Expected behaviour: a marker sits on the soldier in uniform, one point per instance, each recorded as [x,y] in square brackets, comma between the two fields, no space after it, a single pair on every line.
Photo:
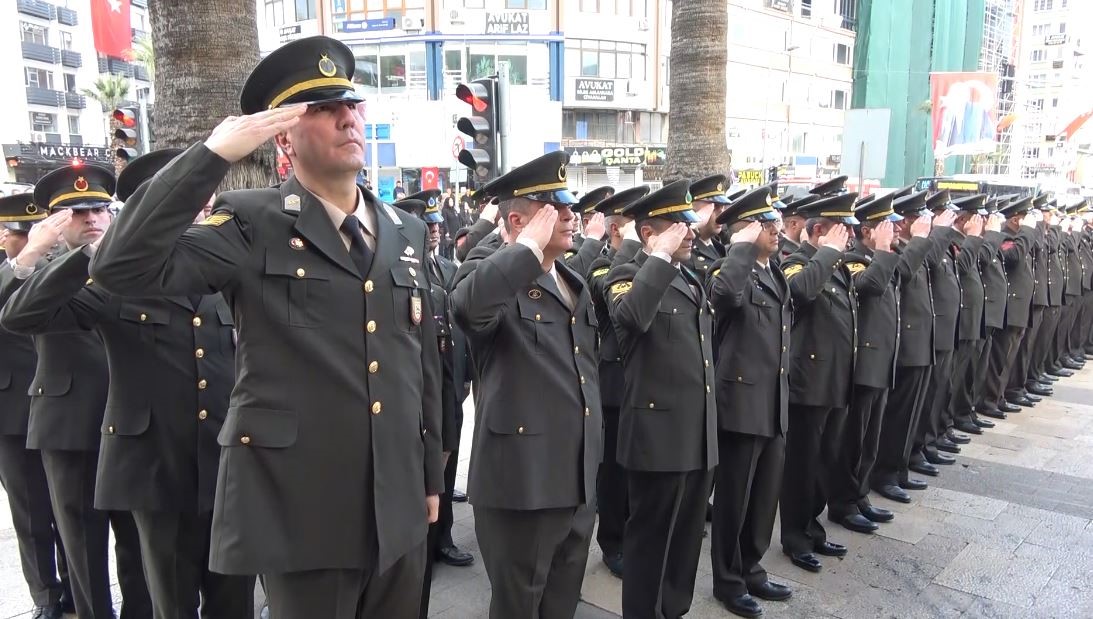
[916,353]
[171,365]
[532,330]
[995,293]
[872,264]
[793,225]
[1016,391]
[1071,297]
[751,340]
[667,424]
[820,373]
[69,400]
[339,376]
[1042,257]
[21,471]
[613,500]
[709,201]
[578,257]
[971,328]
[1016,256]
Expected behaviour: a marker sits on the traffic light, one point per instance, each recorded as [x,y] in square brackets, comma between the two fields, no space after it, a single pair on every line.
[127,134]
[483,156]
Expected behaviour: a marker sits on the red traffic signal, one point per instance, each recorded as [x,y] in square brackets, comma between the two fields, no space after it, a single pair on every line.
[474,94]
[126,116]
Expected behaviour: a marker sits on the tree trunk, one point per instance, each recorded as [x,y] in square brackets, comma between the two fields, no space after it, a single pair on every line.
[204,52]
[696,88]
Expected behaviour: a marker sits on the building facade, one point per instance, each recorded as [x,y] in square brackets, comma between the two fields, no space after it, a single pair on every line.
[53,58]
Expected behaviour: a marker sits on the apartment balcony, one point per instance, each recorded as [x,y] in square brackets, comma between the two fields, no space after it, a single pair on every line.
[67,16]
[72,59]
[75,101]
[35,8]
[41,53]
[44,96]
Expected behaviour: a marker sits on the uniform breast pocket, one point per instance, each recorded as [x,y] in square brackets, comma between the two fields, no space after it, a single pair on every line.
[144,319]
[535,323]
[762,306]
[227,327]
[294,290]
[408,297]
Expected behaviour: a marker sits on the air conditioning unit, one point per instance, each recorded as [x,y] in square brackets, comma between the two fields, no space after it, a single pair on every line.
[455,16]
[412,23]
[643,24]
[37,136]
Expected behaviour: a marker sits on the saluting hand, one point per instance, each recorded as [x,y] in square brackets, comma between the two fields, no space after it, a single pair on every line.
[747,234]
[882,235]
[669,241]
[974,226]
[1029,220]
[595,228]
[43,235]
[921,227]
[489,212]
[945,219]
[541,227]
[238,136]
[994,223]
[835,238]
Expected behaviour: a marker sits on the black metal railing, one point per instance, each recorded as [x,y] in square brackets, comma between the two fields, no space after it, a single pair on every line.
[72,59]
[45,96]
[41,53]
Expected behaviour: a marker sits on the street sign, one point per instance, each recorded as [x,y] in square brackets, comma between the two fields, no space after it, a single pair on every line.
[458,144]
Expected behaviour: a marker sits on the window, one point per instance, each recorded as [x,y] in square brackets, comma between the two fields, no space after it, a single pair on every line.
[1041,5]
[839,99]
[305,9]
[1039,55]
[1036,104]
[1055,102]
[842,53]
[534,5]
[1037,80]
[378,9]
[70,83]
[1040,30]
[66,40]
[592,125]
[43,122]
[848,10]
[607,59]
[806,8]
[275,12]
[1062,28]
[74,125]
[33,33]
[39,78]
[1031,152]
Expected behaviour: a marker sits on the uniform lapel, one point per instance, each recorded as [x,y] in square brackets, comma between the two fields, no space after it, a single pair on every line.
[314,224]
[682,283]
[546,282]
[392,239]
[576,285]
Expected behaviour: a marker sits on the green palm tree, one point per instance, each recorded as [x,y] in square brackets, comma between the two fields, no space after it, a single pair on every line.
[144,53]
[109,90]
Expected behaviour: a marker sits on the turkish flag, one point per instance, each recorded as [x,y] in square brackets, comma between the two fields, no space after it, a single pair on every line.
[110,24]
[429,178]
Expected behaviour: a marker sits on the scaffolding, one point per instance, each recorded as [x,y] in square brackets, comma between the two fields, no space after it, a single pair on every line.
[997,55]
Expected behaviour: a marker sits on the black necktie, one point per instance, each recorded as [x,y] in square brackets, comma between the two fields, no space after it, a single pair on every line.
[358,249]
[434,270]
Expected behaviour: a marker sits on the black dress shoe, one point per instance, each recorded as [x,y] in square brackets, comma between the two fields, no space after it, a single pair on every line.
[994,412]
[614,564]
[830,549]
[856,523]
[1035,399]
[805,561]
[770,591]
[893,493]
[1039,389]
[936,458]
[450,555]
[1070,364]
[944,444]
[1007,407]
[458,496]
[924,468]
[48,612]
[1047,379]
[876,514]
[968,426]
[1060,372]
[959,439]
[1021,401]
[913,484]
[983,423]
[743,606]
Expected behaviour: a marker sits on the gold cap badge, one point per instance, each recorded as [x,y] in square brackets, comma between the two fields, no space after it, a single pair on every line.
[80,184]
[327,66]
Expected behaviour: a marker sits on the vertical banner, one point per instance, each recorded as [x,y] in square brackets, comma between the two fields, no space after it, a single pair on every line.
[111,28]
[964,112]
[430,178]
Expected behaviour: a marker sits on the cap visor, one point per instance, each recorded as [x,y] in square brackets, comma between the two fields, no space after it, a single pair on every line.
[561,197]
[850,221]
[689,217]
[894,217]
[84,206]
[433,218]
[981,211]
[765,216]
[719,199]
[323,95]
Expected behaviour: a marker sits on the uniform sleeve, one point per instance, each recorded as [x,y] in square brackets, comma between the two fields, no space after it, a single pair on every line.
[731,276]
[633,300]
[57,298]
[485,287]
[153,250]
[806,281]
[913,257]
[585,256]
[478,231]
[432,398]
[1015,249]
[968,260]
[873,279]
[626,252]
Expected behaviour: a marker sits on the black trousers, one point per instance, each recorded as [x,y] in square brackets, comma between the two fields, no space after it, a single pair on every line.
[440,532]
[1081,316]
[85,532]
[996,375]
[812,443]
[1087,321]
[858,453]
[1066,320]
[934,403]
[1041,348]
[24,481]
[612,496]
[349,593]
[663,542]
[175,549]
[535,559]
[962,388]
[748,481]
[1015,386]
[901,414]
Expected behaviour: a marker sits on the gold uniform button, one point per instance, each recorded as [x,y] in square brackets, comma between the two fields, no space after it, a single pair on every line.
[300,272]
[244,439]
[651,405]
[812,356]
[701,338]
[781,370]
[377,407]
[89,281]
[587,412]
[520,430]
[582,380]
[200,353]
[201,384]
[538,317]
[110,429]
[572,320]
[143,317]
[369,286]
[373,367]
[371,326]
[202,414]
[706,362]
[707,388]
[675,310]
[576,350]
[197,321]
[783,349]
[40,391]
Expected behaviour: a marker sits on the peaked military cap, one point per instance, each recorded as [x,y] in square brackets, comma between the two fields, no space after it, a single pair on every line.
[1039,201]
[792,205]
[972,204]
[1078,208]
[1017,207]
[939,201]
[424,205]
[18,212]
[80,186]
[141,169]
[316,69]
[671,202]
[839,207]
[830,188]
[737,193]
[542,179]
[756,205]
[711,188]
[590,199]
[616,204]
[1050,205]
[875,209]
[992,204]
[912,205]
[902,192]
[866,200]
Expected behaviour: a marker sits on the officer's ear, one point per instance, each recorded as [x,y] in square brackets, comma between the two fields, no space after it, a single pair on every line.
[285,144]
